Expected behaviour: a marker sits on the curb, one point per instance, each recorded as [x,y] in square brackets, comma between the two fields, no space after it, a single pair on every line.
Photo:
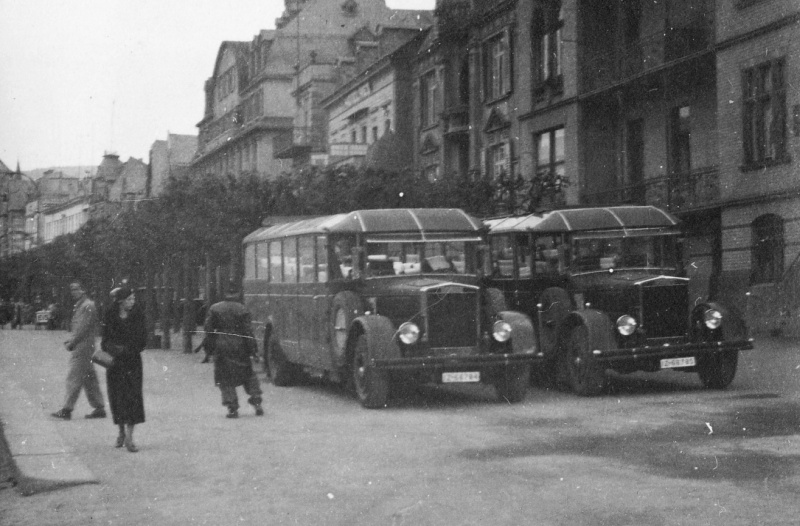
[41,460]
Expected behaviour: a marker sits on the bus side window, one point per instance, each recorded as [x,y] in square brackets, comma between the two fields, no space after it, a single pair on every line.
[290,260]
[275,262]
[262,261]
[502,257]
[305,253]
[322,260]
[250,261]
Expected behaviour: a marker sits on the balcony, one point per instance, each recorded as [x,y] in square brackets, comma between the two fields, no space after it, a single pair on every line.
[676,193]
[456,119]
[305,139]
[606,67]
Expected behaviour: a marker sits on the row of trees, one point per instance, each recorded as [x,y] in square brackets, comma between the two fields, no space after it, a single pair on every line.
[191,234]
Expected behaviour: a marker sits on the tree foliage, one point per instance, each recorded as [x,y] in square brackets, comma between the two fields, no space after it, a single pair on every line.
[200,217]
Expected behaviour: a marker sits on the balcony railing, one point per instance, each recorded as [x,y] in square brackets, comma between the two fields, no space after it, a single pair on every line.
[609,66]
[676,193]
[456,119]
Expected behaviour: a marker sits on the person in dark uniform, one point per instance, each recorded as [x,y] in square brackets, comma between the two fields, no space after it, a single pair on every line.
[229,339]
[124,336]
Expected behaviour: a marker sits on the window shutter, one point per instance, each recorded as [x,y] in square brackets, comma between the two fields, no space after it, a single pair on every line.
[747,126]
[509,83]
[507,151]
[778,132]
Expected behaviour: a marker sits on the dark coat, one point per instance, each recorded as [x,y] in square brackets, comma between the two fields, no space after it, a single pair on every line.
[229,338]
[124,377]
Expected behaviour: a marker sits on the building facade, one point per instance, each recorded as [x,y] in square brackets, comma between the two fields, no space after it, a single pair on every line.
[64,219]
[262,110]
[170,158]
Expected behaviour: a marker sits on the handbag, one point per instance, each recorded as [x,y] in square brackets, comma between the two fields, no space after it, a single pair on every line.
[102,358]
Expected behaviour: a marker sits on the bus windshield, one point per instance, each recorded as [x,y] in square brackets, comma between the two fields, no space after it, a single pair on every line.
[639,252]
[399,258]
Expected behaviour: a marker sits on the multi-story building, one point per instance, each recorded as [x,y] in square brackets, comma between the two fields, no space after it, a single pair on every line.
[16,190]
[66,218]
[117,185]
[261,113]
[370,115]
[170,158]
[757,54]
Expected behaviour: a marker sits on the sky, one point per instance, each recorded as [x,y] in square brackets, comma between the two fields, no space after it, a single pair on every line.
[79,78]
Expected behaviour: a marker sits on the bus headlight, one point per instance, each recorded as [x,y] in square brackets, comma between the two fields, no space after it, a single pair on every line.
[712,318]
[501,331]
[626,325]
[408,333]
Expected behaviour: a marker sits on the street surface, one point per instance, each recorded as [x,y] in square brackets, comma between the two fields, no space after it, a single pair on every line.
[657,450]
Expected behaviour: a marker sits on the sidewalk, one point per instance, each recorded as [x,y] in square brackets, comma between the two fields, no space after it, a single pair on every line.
[41,459]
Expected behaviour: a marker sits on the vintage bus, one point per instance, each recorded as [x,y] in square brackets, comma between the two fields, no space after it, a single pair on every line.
[606,290]
[382,300]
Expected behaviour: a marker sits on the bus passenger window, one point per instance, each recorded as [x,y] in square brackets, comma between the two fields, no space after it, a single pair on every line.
[305,252]
[275,262]
[250,261]
[262,261]
[322,260]
[502,257]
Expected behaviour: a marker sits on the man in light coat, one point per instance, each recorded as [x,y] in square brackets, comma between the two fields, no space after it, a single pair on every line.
[84,329]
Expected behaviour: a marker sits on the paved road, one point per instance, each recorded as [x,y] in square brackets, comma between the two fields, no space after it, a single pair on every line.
[657,450]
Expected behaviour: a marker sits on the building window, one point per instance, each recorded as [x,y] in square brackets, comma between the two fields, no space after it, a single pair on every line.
[764,113]
[550,158]
[680,140]
[546,45]
[429,88]
[374,134]
[497,65]
[498,161]
[353,138]
[364,134]
[767,257]
[432,173]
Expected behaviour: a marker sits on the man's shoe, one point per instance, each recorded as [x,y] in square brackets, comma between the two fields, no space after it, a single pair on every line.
[232,413]
[63,414]
[259,411]
[97,413]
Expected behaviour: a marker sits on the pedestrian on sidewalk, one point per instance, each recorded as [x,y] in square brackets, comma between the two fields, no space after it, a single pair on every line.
[229,338]
[124,336]
[81,373]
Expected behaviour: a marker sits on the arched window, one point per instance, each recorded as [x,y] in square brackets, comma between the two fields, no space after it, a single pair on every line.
[767,258]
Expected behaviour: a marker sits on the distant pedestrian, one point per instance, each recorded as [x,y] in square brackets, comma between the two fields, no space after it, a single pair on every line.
[229,338]
[124,336]
[81,373]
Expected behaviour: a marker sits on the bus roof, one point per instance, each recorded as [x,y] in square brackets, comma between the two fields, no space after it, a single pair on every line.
[417,221]
[582,219]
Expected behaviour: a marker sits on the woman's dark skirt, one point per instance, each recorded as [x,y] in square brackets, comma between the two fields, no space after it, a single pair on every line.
[124,384]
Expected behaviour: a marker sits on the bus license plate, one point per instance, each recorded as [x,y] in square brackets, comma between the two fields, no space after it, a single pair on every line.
[671,363]
[471,376]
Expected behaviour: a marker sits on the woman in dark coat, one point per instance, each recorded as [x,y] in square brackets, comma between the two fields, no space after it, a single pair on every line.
[124,336]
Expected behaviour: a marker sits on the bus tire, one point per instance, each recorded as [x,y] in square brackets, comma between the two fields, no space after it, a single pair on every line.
[371,385]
